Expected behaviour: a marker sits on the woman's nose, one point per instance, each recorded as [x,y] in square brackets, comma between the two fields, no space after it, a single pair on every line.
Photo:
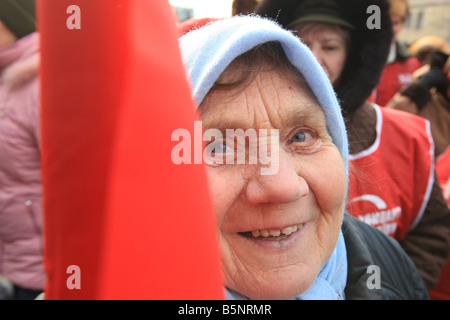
[281,186]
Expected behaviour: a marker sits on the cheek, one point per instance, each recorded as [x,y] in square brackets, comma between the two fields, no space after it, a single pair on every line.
[328,183]
[225,185]
[327,180]
[337,64]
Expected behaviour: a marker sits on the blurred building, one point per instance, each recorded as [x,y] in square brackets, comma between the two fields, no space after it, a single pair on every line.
[427,17]
[186,9]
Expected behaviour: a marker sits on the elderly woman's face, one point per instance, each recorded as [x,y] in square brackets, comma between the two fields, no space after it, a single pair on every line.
[276,231]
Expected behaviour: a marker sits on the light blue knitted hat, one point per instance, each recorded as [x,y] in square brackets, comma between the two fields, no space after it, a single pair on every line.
[208,51]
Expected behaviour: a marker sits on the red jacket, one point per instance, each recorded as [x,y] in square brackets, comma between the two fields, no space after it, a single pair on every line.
[442,290]
[395,77]
[443,173]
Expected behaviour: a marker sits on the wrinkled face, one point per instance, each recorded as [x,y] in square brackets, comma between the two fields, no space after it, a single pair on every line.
[329,47]
[276,230]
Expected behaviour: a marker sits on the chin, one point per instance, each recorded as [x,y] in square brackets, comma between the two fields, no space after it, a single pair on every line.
[283,287]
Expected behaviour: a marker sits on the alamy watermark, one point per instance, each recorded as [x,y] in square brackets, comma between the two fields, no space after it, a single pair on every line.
[74,20]
[374,280]
[73,282]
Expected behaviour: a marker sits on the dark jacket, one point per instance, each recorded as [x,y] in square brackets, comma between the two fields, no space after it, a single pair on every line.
[429,104]
[368,247]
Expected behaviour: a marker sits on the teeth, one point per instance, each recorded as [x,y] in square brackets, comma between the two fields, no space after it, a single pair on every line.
[287,231]
[276,233]
[264,233]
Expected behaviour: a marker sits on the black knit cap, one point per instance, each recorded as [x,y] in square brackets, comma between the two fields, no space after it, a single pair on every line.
[319,11]
[18,16]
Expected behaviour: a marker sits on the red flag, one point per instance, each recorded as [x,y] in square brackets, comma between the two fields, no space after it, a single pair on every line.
[122,221]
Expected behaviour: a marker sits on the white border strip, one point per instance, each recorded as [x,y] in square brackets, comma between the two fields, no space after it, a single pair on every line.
[430,179]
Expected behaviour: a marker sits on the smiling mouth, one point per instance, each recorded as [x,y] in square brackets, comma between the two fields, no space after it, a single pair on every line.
[272,234]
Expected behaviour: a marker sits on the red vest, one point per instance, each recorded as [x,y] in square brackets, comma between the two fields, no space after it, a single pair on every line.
[395,77]
[391,181]
[443,173]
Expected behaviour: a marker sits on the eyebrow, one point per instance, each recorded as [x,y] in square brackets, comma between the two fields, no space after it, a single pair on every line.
[223,125]
[332,38]
[307,114]
[313,116]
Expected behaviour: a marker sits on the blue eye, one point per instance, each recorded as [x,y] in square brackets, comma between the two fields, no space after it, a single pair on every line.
[301,136]
[218,153]
[219,148]
[304,140]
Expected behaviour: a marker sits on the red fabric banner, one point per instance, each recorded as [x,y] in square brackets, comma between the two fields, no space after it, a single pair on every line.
[122,221]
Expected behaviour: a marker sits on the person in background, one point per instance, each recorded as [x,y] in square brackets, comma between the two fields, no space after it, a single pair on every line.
[283,233]
[243,6]
[442,290]
[21,243]
[423,47]
[429,97]
[400,65]
[392,182]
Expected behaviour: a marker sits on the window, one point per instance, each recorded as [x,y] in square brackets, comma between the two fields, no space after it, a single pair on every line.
[408,22]
[419,22]
[184,13]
